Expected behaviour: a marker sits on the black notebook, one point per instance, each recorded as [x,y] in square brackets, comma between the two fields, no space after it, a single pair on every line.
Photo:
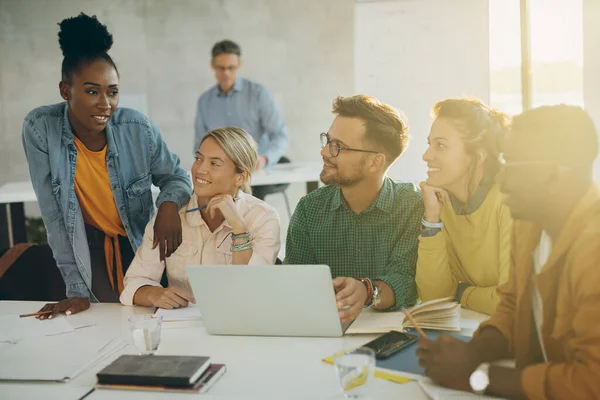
[154,370]
[202,385]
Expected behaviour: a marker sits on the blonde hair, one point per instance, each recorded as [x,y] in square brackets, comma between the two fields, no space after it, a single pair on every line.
[240,147]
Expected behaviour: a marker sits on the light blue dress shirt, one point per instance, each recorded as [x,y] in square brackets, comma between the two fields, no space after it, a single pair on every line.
[248,106]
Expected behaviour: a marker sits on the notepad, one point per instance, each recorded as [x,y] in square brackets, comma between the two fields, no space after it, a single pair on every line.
[403,366]
[13,328]
[436,392]
[188,313]
[439,314]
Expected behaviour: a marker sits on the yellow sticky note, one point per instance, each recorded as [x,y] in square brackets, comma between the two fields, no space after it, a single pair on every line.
[378,374]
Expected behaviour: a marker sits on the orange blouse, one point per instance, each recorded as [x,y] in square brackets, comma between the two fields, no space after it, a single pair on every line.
[92,186]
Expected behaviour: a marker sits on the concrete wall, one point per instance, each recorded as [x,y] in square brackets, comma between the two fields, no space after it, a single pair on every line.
[300,50]
[413,53]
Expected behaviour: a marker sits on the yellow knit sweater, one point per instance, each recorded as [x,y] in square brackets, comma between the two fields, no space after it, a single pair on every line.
[472,248]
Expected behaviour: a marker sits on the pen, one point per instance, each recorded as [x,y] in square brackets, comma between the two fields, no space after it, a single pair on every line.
[195,209]
[35,313]
[417,327]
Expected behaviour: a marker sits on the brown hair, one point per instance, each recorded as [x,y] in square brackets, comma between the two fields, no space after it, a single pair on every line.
[384,125]
[240,147]
[482,127]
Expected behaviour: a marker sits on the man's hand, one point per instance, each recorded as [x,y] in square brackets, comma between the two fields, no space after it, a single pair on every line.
[261,162]
[169,298]
[448,361]
[167,229]
[351,296]
[67,306]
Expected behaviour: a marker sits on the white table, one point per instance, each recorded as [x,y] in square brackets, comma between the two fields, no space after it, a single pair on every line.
[257,367]
[14,194]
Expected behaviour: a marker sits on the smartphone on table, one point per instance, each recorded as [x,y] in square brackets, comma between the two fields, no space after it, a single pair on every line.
[390,343]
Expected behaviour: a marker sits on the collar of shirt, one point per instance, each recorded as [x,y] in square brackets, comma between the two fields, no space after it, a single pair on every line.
[474,202]
[68,135]
[194,218]
[237,87]
[384,200]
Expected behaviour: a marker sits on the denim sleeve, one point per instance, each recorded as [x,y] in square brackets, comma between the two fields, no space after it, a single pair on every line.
[36,152]
[273,126]
[200,127]
[174,182]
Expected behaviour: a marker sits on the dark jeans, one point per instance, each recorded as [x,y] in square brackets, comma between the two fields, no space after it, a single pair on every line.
[260,192]
[101,286]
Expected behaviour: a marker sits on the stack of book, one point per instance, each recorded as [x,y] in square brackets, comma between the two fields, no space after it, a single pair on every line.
[160,373]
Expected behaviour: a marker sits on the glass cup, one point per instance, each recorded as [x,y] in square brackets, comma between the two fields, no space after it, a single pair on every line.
[355,370]
[145,332]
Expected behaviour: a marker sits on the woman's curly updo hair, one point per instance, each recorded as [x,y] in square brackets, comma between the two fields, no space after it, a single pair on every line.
[83,39]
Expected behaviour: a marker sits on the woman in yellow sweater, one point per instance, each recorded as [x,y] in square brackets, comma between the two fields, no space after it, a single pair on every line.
[465,236]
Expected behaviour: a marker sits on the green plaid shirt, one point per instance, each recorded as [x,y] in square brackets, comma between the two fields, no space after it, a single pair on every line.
[379,243]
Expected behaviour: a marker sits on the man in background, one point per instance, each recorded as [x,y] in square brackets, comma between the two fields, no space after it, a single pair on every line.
[235,101]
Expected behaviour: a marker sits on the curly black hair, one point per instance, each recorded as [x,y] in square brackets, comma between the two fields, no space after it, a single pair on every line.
[83,39]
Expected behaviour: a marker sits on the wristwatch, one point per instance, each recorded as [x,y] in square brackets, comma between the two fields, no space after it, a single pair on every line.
[480,378]
[376,296]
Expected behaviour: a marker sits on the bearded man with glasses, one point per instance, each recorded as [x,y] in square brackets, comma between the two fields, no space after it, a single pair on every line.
[363,225]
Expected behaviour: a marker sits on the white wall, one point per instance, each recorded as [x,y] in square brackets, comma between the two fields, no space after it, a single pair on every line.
[413,53]
[591,65]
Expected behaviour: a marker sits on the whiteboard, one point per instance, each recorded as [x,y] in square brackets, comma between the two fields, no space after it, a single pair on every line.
[413,53]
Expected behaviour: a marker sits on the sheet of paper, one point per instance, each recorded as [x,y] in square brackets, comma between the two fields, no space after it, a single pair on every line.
[441,393]
[370,321]
[179,314]
[58,357]
[469,324]
[13,328]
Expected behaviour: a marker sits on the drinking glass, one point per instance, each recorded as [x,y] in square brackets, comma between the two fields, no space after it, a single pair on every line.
[355,370]
[145,332]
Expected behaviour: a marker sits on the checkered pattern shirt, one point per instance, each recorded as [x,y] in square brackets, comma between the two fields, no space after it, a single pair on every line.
[380,243]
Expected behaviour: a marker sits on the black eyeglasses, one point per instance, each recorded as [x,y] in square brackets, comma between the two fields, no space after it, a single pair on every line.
[335,147]
[231,68]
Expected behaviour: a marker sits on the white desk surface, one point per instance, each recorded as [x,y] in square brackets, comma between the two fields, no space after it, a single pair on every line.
[257,367]
[22,192]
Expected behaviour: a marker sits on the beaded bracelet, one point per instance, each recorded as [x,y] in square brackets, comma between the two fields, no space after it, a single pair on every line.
[369,285]
[244,235]
[241,247]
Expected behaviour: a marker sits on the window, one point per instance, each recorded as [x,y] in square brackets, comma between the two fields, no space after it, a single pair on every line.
[556,53]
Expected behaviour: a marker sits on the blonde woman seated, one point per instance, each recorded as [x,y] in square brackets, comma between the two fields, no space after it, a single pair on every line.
[464,245]
[221,224]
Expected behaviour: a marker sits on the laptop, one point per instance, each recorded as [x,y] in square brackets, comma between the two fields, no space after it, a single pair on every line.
[269,300]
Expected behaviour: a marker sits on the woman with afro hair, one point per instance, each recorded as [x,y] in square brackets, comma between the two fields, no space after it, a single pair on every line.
[92,166]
